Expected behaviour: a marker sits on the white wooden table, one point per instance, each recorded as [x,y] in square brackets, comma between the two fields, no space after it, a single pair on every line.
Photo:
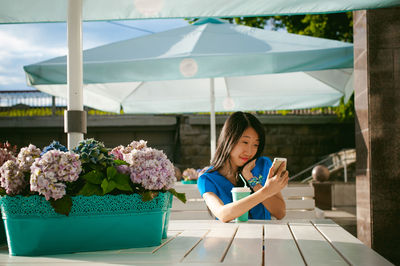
[210,242]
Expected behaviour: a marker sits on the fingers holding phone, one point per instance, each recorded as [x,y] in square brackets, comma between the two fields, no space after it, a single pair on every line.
[279,166]
[279,169]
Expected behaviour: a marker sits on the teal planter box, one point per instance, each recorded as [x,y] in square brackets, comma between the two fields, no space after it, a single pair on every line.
[95,223]
[189,181]
[3,238]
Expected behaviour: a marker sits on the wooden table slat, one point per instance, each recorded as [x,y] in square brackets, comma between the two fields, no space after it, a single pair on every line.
[350,247]
[313,246]
[247,246]
[213,246]
[278,244]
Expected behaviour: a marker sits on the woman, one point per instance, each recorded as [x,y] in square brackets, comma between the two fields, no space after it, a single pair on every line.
[239,147]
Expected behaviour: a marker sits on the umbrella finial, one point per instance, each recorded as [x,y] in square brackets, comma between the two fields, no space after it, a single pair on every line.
[209,20]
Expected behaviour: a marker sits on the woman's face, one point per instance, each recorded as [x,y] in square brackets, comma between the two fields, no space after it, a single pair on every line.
[245,149]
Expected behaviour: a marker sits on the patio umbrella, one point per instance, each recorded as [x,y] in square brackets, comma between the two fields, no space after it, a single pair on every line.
[12,11]
[182,69]
[74,11]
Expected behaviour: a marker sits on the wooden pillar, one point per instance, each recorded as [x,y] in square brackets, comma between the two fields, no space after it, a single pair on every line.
[377,104]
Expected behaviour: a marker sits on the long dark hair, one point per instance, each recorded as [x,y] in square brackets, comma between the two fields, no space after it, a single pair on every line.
[230,134]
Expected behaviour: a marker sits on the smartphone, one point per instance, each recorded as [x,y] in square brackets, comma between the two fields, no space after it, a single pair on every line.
[278,161]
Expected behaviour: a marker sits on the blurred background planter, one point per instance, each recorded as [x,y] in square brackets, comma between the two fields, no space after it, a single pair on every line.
[94,223]
[189,181]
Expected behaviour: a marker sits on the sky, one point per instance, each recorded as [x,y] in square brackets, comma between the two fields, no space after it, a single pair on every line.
[25,44]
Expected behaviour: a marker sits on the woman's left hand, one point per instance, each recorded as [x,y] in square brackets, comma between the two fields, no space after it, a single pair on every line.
[246,171]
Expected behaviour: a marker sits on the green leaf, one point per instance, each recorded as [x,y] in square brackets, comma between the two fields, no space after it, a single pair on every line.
[122,182]
[90,190]
[111,172]
[94,177]
[108,186]
[63,205]
[94,166]
[179,196]
[2,192]
[148,195]
[120,162]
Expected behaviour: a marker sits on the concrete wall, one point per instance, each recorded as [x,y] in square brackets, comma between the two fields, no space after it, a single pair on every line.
[377,106]
[302,139]
[186,139]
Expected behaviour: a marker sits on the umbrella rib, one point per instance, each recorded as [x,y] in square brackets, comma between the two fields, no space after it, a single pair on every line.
[132,92]
[320,80]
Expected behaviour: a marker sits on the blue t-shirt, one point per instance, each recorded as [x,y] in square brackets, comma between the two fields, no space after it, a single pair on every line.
[220,186]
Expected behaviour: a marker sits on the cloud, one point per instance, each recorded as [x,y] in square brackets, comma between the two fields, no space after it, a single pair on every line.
[14,47]
[9,80]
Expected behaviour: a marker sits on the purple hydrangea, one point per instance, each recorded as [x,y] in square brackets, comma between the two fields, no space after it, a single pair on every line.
[27,156]
[50,172]
[11,177]
[148,167]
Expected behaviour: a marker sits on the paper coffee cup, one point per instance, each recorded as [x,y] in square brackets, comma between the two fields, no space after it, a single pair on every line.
[237,194]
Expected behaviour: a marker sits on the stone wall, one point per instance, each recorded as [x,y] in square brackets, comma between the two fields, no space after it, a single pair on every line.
[302,139]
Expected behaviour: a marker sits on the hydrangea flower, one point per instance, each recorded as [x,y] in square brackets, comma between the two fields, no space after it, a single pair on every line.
[50,172]
[11,177]
[27,156]
[5,155]
[93,151]
[190,174]
[55,145]
[119,151]
[147,166]
[11,148]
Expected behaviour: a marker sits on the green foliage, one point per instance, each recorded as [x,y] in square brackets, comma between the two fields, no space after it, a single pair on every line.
[335,26]
[45,111]
[63,205]
[346,112]
[180,196]
[105,182]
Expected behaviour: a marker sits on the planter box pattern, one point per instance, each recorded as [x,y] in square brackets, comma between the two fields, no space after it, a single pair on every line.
[94,223]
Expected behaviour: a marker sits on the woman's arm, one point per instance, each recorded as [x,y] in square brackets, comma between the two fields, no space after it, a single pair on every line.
[274,204]
[230,211]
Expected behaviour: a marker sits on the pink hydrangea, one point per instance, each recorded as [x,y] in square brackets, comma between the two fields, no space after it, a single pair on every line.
[11,177]
[49,173]
[27,156]
[120,151]
[190,174]
[148,167]
[5,155]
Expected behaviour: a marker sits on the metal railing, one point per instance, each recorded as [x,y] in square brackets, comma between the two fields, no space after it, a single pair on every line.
[29,98]
[336,163]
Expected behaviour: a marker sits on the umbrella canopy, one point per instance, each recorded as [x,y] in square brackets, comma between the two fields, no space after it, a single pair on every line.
[20,11]
[169,72]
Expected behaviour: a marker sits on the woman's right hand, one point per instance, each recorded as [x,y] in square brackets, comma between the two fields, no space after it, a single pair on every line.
[276,181]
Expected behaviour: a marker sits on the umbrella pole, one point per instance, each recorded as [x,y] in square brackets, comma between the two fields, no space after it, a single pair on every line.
[74,117]
[212,118]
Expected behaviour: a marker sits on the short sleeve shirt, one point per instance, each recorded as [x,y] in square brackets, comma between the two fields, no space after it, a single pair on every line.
[220,186]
